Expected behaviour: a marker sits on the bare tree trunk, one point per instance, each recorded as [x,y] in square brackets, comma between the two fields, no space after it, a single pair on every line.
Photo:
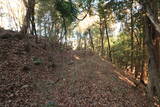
[152,40]
[32,19]
[91,39]
[153,65]
[102,37]
[40,29]
[132,30]
[109,47]
[29,18]
[45,30]
[85,42]
[79,41]
[65,30]
[26,21]
[61,36]
[143,75]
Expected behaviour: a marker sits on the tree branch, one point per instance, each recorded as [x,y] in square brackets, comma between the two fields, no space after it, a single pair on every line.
[154,22]
[150,15]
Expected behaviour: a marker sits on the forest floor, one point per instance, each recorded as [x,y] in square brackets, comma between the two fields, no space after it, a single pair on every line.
[49,76]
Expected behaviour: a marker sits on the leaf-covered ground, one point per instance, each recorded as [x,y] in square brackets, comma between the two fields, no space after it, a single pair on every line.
[92,81]
[48,76]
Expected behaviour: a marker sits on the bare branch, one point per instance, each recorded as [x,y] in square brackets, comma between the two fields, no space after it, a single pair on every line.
[155,23]
[150,16]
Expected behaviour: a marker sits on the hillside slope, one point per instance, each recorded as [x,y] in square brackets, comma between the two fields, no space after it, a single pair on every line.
[92,81]
[45,75]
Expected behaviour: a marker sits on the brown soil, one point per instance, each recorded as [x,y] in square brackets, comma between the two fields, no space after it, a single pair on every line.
[62,77]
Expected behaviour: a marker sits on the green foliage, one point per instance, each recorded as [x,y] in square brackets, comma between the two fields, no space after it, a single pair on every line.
[119,8]
[45,6]
[67,10]
[55,13]
[101,9]
[63,13]
[121,49]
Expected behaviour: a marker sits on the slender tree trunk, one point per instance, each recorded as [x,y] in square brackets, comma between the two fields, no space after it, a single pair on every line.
[91,39]
[65,30]
[79,40]
[40,29]
[61,36]
[85,43]
[32,19]
[143,75]
[109,47]
[132,30]
[51,30]
[102,37]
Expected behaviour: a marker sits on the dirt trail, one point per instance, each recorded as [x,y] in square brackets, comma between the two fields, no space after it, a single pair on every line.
[91,81]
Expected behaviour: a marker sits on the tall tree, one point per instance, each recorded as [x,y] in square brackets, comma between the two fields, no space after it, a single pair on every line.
[108,41]
[91,39]
[132,31]
[101,29]
[152,40]
[32,19]
[26,21]
[29,18]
